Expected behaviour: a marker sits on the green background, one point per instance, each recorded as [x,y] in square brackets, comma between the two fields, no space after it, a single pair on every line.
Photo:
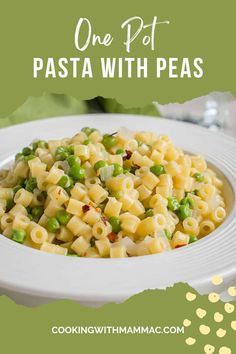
[29,329]
[45,29]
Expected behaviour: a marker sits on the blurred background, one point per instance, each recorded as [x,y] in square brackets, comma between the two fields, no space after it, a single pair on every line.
[216,111]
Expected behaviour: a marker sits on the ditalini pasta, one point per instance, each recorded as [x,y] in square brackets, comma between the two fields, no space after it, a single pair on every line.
[113,195]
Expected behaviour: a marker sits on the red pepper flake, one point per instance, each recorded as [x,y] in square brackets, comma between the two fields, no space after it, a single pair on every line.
[178,246]
[112,237]
[104,220]
[128,155]
[85,208]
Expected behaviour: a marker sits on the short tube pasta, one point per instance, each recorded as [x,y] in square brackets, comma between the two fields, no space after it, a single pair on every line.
[115,195]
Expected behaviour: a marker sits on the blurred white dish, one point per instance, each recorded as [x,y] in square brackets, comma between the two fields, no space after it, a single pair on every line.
[31,277]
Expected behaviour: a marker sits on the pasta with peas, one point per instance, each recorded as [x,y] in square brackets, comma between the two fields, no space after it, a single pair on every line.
[109,195]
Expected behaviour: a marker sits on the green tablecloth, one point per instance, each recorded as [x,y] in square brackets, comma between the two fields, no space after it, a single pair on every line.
[54,105]
[47,105]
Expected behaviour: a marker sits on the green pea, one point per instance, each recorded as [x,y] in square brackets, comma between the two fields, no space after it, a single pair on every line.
[61,153]
[18,236]
[101,206]
[192,238]
[198,177]
[29,157]
[157,170]
[120,152]
[29,209]
[168,234]
[86,130]
[149,212]
[65,182]
[63,217]
[76,172]
[70,149]
[87,142]
[40,144]
[109,141]
[187,201]
[173,204]
[72,159]
[10,204]
[99,164]
[118,169]
[16,189]
[117,195]
[37,211]
[183,212]
[19,156]
[30,184]
[92,241]
[53,225]
[115,224]
[26,151]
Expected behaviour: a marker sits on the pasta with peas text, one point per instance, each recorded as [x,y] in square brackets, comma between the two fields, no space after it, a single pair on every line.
[109,195]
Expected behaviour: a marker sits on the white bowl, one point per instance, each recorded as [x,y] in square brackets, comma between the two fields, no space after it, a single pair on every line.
[32,277]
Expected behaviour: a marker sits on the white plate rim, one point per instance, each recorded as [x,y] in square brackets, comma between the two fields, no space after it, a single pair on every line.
[60,288]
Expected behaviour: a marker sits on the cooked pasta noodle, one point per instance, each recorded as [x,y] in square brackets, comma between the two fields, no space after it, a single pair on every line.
[113,195]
